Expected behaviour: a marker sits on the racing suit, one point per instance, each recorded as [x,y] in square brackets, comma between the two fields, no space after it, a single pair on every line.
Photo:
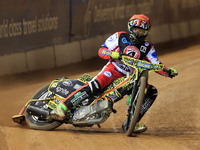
[114,69]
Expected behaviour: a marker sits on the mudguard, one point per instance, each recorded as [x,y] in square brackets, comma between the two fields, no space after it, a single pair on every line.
[63,87]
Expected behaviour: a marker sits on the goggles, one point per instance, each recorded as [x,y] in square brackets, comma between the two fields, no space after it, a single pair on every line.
[140,31]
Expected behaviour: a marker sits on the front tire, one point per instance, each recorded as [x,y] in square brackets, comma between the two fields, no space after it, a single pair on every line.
[35,122]
[132,118]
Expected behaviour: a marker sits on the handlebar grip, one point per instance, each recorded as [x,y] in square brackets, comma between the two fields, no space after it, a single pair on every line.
[167,70]
[122,54]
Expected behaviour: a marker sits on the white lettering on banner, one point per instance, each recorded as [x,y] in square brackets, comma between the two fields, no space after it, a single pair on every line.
[184,4]
[12,28]
[117,12]
[99,13]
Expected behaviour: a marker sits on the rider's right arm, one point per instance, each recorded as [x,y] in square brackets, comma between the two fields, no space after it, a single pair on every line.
[110,45]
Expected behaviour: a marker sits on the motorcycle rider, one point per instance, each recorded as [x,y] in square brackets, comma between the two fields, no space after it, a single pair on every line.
[132,43]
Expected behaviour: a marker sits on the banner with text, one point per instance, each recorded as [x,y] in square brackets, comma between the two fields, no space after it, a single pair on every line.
[26,25]
[98,17]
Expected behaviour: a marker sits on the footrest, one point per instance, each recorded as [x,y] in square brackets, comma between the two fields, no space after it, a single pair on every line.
[18,119]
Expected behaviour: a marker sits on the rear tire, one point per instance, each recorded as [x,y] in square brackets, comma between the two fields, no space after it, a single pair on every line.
[132,118]
[35,122]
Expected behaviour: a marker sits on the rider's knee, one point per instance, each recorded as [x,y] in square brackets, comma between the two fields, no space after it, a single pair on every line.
[94,87]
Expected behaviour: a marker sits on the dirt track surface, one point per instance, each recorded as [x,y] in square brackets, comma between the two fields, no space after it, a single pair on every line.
[173,121]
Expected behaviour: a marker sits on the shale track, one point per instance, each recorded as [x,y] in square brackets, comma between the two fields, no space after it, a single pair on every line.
[173,121]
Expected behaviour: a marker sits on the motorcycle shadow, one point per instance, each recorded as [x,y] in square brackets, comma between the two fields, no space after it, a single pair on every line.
[90,130]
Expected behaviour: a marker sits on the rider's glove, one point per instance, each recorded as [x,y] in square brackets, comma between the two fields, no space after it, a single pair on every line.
[114,55]
[172,72]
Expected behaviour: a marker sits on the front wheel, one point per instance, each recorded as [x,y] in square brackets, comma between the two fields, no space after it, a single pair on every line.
[34,122]
[134,110]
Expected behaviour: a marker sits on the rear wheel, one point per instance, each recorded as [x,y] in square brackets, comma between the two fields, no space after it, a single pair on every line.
[134,110]
[34,122]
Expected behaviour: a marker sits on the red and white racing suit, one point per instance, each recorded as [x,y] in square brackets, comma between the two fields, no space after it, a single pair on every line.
[119,42]
[114,69]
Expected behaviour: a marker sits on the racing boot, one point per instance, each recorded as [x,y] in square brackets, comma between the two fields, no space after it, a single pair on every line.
[139,128]
[59,113]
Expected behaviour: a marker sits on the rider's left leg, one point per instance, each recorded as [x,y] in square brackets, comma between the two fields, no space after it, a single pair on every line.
[147,103]
[149,100]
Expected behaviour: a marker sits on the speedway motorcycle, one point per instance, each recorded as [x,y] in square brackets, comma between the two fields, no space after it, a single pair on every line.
[94,110]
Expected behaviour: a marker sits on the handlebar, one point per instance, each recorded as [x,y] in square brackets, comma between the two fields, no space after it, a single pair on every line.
[141,64]
[166,70]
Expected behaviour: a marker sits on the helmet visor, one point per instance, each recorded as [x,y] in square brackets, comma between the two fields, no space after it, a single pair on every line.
[140,31]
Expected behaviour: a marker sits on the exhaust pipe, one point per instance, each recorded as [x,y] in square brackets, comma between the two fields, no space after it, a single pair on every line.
[38,111]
